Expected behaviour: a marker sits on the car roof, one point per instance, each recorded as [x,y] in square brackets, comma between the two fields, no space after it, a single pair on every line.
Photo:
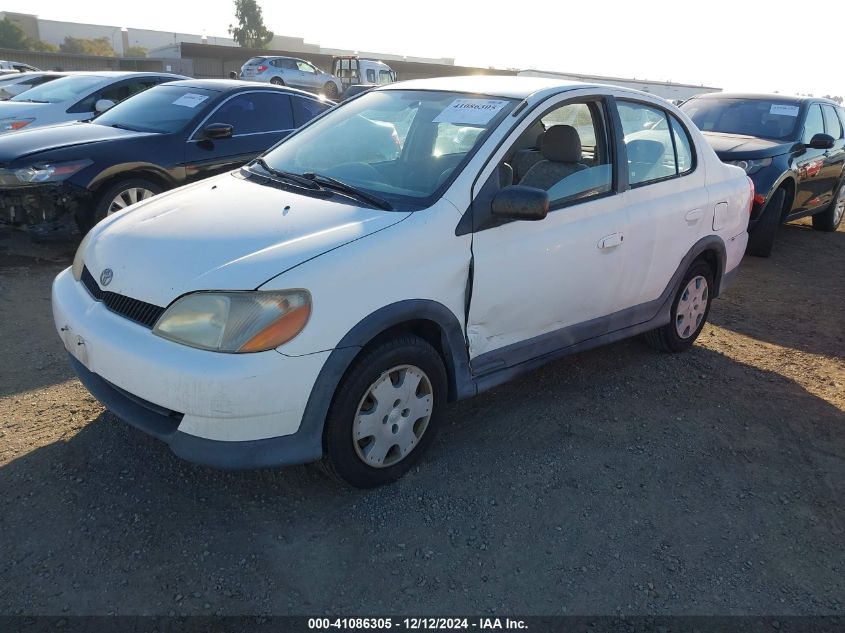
[226,85]
[495,85]
[763,96]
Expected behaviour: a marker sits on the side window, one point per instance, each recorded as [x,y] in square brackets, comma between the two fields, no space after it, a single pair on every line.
[648,143]
[683,146]
[371,76]
[832,124]
[814,123]
[305,67]
[306,109]
[384,77]
[566,153]
[255,112]
[123,91]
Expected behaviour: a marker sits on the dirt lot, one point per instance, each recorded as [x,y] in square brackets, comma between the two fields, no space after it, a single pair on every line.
[617,481]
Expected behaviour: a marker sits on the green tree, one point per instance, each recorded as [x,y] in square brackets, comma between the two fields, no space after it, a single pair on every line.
[42,47]
[100,46]
[11,36]
[250,32]
[135,51]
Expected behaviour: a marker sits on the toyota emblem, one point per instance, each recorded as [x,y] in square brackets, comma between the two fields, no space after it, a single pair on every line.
[106,276]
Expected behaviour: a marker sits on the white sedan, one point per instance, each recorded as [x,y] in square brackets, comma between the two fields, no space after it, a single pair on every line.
[76,97]
[326,301]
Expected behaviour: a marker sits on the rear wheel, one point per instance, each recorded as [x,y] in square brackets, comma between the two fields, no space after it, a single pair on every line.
[762,237]
[385,413]
[116,198]
[277,81]
[330,90]
[831,218]
[689,311]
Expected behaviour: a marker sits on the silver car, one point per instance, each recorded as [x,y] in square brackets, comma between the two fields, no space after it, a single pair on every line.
[293,72]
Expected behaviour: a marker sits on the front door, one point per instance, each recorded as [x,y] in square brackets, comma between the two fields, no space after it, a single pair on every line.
[543,285]
[260,119]
[812,190]
[834,158]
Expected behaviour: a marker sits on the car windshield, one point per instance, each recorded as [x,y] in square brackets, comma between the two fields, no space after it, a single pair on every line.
[60,90]
[763,118]
[402,145]
[162,109]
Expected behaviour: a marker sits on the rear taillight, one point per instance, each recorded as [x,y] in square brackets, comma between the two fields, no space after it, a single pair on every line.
[261,69]
[752,198]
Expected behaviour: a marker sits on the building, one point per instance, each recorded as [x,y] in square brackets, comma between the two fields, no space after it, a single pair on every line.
[666,89]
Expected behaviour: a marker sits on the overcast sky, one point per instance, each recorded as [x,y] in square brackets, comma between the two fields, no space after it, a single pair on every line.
[734,44]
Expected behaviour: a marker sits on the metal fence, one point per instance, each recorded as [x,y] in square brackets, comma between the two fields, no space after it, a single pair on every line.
[71,61]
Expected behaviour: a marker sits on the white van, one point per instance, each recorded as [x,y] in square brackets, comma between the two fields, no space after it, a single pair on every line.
[351,70]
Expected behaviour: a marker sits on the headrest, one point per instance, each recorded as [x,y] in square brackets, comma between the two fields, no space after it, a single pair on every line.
[561,144]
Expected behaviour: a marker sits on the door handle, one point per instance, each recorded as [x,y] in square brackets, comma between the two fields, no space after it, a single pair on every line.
[611,241]
[694,216]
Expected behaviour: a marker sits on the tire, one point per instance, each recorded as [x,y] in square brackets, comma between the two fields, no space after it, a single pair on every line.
[680,333]
[330,90]
[129,190]
[830,219]
[346,445]
[762,238]
[277,81]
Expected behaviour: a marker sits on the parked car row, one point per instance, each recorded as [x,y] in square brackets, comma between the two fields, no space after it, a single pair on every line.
[418,244]
[56,178]
[350,74]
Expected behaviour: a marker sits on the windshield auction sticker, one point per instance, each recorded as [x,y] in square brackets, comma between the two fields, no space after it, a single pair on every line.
[470,111]
[190,100]
[784,110]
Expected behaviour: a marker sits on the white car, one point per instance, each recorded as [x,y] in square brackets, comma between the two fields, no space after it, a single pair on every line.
[77,97]
[13,84]
[16,67]
[326,302]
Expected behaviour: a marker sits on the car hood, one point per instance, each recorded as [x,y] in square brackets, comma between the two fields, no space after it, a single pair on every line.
[53,137]
[735,146]
[224,233]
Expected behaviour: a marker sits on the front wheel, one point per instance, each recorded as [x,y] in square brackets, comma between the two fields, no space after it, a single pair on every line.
[689,311]
[116,198]
[831,218]
[761,238]
[385,413]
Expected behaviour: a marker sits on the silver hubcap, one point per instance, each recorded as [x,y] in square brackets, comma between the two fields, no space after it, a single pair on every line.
[839,208]
[691,307]
[392,416]
[127,197]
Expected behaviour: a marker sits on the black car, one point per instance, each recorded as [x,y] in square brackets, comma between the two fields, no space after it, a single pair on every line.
[793,148]
[55,178]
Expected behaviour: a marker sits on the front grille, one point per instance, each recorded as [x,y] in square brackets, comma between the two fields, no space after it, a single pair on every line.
[143,313]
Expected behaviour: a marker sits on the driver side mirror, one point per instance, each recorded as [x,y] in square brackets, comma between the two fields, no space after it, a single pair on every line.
[521,203]
[217,130]
[821,141]
[102,105]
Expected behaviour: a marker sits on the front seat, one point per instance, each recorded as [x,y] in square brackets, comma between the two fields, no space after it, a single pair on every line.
[561,150]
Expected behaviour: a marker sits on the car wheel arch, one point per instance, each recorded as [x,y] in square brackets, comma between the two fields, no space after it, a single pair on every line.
[426,318]
[113,175]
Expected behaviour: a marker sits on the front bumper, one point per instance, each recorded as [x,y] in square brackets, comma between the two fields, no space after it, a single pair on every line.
[224,410]
[44,209]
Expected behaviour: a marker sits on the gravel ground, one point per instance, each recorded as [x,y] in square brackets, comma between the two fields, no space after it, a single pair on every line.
[617,481]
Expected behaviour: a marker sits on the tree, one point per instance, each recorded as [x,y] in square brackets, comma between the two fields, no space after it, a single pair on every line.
[250,32]
[11,36]
[42,47]
[100,46]
[135,51]
[837,99]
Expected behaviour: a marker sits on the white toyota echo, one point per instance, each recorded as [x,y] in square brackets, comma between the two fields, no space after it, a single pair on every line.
[418,244]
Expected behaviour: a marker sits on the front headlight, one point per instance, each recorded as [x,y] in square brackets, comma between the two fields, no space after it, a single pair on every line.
[13,125]
[751,166]
[50,172]
[236,322]
[78,263]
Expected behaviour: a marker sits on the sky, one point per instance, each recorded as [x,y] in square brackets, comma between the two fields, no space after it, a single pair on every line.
[746,45]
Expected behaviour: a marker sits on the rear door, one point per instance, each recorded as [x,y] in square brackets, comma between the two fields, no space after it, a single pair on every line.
[812,191]
[260,118]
